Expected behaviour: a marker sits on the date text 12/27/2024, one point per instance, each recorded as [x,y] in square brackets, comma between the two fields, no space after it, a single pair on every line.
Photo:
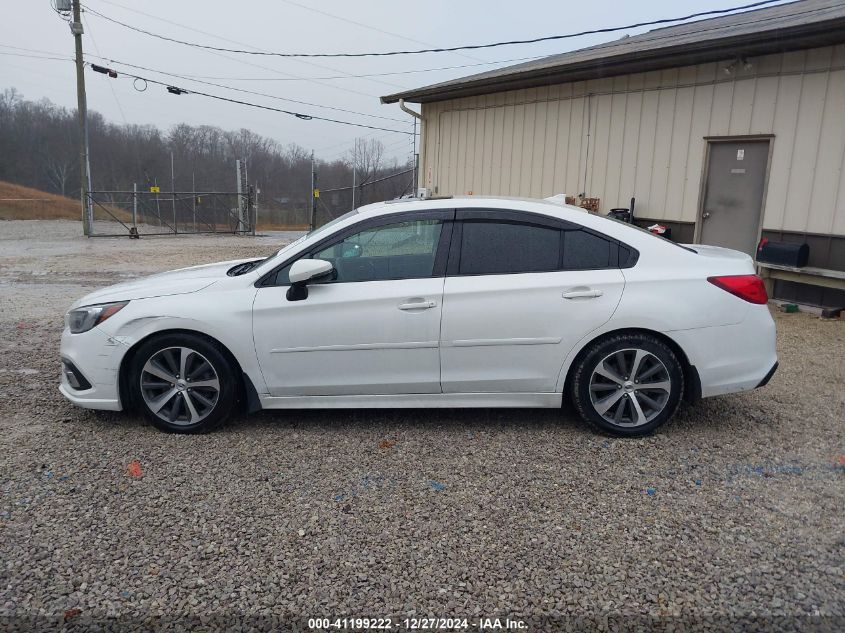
[417,624]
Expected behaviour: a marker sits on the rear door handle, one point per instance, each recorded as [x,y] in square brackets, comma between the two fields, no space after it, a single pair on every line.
[417,305]
[582,294]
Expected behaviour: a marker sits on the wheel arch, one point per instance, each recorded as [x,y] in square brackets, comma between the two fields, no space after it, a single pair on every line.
[692,381]
[245,388]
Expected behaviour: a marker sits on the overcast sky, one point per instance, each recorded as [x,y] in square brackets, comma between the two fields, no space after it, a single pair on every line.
[293,26]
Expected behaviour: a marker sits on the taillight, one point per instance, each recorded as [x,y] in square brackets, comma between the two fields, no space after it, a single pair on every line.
[747,287]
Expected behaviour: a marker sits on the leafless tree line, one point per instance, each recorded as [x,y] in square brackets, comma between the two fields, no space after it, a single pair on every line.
[39,148]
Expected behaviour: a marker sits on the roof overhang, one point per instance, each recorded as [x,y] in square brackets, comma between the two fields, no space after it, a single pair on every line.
[533,74]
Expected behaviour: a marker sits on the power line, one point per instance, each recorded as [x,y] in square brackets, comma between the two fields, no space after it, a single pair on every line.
[369,27]
[336,155]
[111,87]
[398,72]
[292,77]
[29,50]
[450,49]
[63,59]
[371,182]
[344,143]
[295,78]
[225,39]
[393,145]
[344,153]
[176,90]
[244,90]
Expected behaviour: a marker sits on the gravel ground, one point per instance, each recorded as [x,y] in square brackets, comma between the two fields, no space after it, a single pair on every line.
[735,509]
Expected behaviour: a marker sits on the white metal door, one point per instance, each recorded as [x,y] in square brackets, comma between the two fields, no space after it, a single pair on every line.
[374,337]
[733,196]
[505,333]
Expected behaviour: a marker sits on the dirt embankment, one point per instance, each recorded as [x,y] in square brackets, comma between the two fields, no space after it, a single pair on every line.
[23,203]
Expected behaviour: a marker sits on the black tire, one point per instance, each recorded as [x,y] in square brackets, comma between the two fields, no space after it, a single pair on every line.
[205,364]
[645,405]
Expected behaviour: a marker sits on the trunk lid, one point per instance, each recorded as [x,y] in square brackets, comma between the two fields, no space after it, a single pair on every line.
[723,260]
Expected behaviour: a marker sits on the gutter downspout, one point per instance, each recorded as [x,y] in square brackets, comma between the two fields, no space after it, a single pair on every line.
[416,116]
[405,108]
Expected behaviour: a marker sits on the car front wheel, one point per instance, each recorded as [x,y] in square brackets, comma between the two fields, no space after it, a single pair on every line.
[182,383]
[628,384]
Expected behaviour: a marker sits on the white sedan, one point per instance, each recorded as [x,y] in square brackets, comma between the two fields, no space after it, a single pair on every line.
[458,302]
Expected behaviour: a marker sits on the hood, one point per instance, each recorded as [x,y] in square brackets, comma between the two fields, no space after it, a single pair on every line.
[173,282]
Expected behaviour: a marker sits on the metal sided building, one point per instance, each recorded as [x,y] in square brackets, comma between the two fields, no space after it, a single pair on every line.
[727,130]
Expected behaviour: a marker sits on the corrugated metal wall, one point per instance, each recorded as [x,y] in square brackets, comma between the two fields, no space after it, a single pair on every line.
[643,135]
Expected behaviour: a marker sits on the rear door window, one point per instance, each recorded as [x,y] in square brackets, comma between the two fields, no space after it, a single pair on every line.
[494,248]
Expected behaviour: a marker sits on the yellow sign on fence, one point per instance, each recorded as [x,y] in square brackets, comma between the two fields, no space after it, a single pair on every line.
[155,189]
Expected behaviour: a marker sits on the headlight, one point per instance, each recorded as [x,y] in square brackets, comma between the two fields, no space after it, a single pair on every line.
[83,319]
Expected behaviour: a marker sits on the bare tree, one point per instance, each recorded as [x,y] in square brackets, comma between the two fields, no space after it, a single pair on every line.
[60,169]
[366,158]
[39,142]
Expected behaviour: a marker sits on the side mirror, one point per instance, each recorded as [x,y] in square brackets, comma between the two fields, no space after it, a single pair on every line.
[304,271]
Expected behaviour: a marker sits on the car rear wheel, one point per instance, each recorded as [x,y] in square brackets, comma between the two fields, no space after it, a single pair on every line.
[627,385]
[182,383]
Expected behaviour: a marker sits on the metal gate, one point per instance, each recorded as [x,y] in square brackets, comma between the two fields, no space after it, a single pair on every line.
[136,213]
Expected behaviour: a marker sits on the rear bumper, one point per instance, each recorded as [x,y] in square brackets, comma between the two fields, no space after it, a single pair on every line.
[768,376]
[732,358]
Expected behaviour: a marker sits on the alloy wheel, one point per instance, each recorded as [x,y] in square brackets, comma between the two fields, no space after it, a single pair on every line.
[180,385]
[630,387]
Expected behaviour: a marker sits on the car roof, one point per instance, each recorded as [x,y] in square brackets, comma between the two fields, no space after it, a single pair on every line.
[549,208]
[576,215]
[492,203]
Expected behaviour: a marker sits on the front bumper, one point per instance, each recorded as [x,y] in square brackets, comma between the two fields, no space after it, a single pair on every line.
[96,356]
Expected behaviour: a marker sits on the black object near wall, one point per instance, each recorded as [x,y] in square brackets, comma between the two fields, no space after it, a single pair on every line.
[783,253]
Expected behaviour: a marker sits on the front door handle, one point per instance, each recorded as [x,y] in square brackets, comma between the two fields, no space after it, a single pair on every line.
[417,305]
[582,294]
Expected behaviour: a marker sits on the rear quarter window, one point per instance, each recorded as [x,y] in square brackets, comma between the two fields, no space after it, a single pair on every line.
[586,251]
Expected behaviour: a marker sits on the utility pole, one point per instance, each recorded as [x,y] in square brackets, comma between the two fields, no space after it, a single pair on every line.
[312,221]
[240,195]
[133,230]
[82,107]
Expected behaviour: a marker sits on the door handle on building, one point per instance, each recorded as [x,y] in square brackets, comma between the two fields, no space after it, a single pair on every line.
[582,294]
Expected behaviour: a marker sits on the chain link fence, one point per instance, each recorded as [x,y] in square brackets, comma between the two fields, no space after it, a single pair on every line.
[136,213]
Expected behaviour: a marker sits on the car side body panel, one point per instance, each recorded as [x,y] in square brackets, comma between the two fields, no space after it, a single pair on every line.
[100,351]
[504,333]
[513,347]
[377,337]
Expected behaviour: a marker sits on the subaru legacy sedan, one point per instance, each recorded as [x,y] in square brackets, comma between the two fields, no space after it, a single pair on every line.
[452,302]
